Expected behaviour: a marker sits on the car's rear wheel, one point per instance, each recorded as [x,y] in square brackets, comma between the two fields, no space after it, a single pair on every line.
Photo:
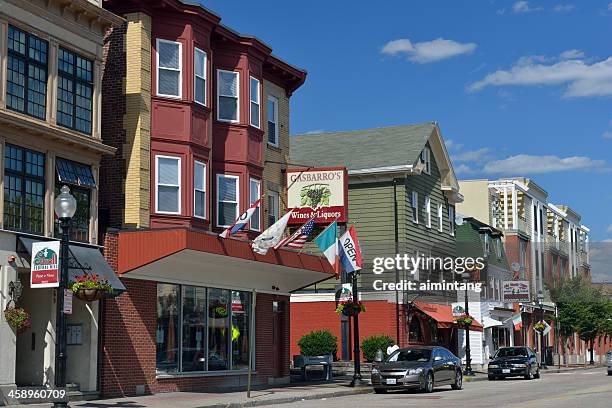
[609,372]
[458,380]
[492,377]
[428,386]
[529,375]
[380,390]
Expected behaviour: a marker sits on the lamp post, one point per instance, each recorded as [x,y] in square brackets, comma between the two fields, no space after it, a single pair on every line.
[542,348]
[357,379]
[468,357]
[65,206]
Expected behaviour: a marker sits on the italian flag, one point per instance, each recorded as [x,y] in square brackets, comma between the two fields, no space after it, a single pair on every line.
[517,320]
[327,242]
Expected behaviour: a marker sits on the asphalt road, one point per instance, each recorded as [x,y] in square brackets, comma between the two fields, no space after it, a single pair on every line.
[580,388]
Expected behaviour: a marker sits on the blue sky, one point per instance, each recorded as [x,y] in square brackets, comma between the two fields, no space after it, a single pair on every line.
[518,88]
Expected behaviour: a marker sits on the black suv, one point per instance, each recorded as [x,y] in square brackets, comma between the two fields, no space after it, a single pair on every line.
[514,362]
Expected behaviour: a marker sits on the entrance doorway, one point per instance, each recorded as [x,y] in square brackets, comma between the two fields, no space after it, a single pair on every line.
[278,323]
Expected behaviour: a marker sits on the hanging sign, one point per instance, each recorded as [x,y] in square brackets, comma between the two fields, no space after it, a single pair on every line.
[45,264]
[67,301]
[516,291]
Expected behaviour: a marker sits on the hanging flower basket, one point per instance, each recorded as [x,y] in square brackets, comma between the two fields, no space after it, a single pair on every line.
[350,308]
[89,287]
[18,318]
[464,320]
[539,326]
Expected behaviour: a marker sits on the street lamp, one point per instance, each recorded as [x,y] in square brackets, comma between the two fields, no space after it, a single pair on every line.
[65,206]
[542,348]
[468,357]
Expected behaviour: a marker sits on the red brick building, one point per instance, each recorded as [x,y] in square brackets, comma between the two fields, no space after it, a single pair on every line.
[199,116]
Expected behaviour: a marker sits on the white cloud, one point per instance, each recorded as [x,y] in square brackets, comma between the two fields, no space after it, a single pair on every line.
[530,60]
[463,169]
[520,163]
[571,54]
[427,51]
[607,134]
[472,155]
[609,228]
[451,144]
[523,7]
[563,8]
[314,132]
[583,80]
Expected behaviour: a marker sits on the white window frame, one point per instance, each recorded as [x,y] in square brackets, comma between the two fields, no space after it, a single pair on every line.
[157,184]
[276,129]
[415,207]
[428,210]
[237,202]
[258,183]
[196,76]
[276,196]
[195,189]
[451,220]
[180,69]
[426,159]
[258,102]
[440,217]
[237,73]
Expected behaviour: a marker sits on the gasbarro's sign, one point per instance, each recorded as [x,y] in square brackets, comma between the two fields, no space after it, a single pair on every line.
[516,291]
[45,264]
[317,192]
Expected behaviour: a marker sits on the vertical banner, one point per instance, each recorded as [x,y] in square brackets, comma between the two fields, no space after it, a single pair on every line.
[45,264]
[67,301]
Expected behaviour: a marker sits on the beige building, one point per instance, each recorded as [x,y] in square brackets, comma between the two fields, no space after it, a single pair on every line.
[50,97]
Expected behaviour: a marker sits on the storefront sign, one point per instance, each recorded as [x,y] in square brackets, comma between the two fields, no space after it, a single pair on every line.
[516,291]
[45,264]
[458,310]
[345,294]
[321,192]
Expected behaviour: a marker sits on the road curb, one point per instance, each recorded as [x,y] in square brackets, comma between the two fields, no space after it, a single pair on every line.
[288,400]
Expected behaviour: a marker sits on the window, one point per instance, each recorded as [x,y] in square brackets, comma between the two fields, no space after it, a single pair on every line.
[199,70]
[199,189]
[26,73]
[487,245]
[254,195]
[201,329]
[273,121]
[168,185]
[80,179]
[227,200]
[415,207]
[273,210]
[451,220]
[428,210]
[426,160]
[74,91]
[228,88]
[169,68]
[498,247]
[255,108]
[24,189]
[440,217]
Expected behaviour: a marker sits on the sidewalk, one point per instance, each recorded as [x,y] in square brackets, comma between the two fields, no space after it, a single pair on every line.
[280,395]
[480,376]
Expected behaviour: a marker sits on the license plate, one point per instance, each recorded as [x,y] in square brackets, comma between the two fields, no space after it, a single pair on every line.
[506,371]
[391,381]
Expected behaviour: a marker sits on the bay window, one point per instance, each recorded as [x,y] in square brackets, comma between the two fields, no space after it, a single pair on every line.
[24,189]
[228,88]
[199,189]
[254,195]
[272,121]
[80,179]
[255,105]
[169,68]
[74,91]
[168,185]
[199,79]
[26,73]
[201,329]
[227,199]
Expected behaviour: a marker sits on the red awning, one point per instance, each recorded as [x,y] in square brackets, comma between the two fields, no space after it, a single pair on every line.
[443,314]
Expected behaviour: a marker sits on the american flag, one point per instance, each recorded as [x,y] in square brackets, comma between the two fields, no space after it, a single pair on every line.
[298,239]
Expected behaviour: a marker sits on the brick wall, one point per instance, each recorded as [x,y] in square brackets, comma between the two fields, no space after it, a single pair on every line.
[128,345]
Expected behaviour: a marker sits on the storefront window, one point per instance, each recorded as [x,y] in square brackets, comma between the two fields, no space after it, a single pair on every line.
[240,330]
[194,328]
[167,333]
[218,329]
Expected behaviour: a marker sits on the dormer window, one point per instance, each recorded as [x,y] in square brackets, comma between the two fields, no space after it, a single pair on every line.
[426,160]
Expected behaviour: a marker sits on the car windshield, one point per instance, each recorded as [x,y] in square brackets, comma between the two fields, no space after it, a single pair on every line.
[511,352]
[422,355]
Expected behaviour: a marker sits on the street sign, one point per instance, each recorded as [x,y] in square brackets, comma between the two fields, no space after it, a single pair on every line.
[45,264]
[67,301]
[516,291]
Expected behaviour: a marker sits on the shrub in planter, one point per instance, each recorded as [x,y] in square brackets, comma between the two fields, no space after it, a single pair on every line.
[464,320]
[539,326]
[370,345]
[318,343]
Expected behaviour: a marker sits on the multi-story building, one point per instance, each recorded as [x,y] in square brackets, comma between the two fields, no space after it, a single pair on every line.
[544,242]
[201,133]
[402,193]
[50,104]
